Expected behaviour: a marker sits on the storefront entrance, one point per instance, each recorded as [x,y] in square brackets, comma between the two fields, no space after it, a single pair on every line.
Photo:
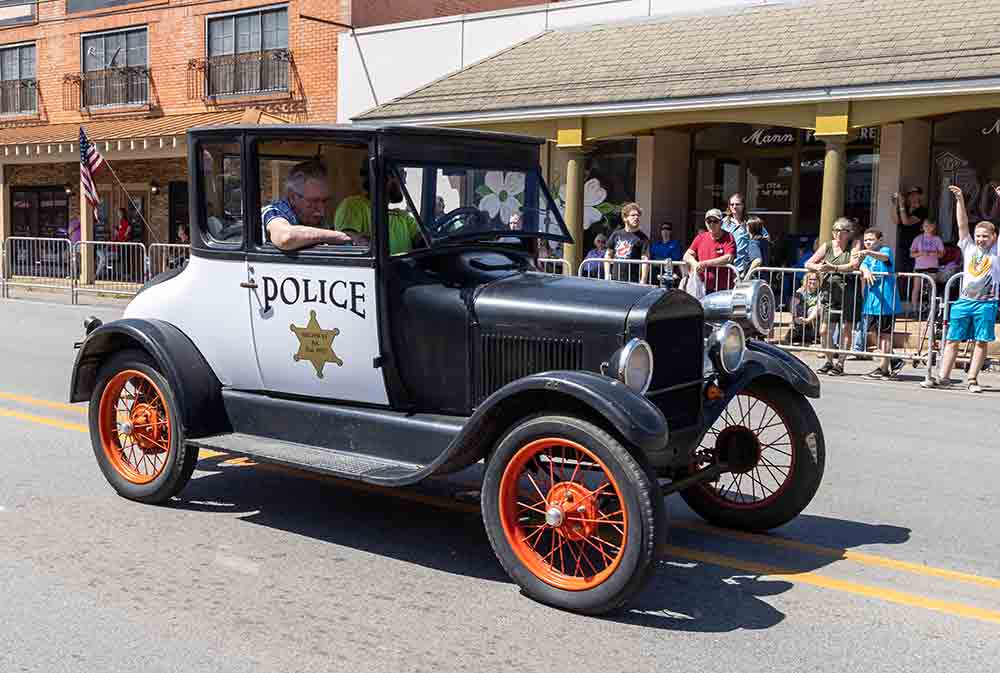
[780,173]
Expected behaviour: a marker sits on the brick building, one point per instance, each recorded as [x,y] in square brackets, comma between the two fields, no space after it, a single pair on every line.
[136,74]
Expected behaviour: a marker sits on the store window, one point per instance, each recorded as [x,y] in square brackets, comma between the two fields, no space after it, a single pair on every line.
[39,212]
[248,53]
[115,68]
[966,152]
[17,80]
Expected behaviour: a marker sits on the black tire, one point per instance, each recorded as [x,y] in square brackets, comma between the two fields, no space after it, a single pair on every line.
[162,480]
[630,489]
[720,503]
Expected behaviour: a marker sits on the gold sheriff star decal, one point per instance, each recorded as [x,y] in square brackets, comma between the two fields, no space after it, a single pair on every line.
[316,344]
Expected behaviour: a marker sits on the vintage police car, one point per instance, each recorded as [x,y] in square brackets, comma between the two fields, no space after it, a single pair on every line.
[428,342]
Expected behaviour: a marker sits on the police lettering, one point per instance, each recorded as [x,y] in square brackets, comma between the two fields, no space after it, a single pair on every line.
[347,295]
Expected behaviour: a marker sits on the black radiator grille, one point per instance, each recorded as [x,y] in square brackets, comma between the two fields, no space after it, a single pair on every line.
[507,358]
[677,345]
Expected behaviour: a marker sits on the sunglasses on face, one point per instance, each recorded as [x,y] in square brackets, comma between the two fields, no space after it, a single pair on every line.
[713,219]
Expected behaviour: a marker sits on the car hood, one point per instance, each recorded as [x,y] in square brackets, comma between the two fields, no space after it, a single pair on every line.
[541,304]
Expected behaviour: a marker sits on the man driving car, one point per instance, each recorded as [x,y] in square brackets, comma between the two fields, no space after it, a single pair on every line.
[297,220]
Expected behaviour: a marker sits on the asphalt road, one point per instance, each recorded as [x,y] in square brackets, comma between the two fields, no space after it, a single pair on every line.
[894,566]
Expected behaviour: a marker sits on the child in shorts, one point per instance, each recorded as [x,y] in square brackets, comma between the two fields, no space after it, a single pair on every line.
[974,315]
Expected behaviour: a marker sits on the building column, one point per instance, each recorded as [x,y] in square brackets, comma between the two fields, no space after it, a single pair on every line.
[5,218]
[570,137]
[86,234]
[645,180]
[834,183]
[573,254]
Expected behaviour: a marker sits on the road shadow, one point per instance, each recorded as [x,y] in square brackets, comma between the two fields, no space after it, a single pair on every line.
[426,528]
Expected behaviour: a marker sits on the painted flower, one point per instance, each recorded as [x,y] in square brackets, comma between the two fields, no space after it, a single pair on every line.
[500,194]
[593,196]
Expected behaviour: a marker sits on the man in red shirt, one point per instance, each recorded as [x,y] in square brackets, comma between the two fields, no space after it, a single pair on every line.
[710,250]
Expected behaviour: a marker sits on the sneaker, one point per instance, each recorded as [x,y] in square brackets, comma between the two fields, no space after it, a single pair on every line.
[897,365]
[933,382]
[825,369]
[878,374]
[974,386]
[837,370]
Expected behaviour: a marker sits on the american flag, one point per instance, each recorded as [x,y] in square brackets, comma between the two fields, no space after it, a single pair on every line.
[91,163]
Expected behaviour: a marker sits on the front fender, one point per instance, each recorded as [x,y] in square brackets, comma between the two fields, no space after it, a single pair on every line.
[632,415]
[195,386]
[763,359]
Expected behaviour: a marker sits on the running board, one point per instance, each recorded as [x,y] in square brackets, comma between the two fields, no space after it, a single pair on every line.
[359,467]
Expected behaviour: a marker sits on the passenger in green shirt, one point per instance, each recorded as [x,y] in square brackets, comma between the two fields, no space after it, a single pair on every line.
[355,214]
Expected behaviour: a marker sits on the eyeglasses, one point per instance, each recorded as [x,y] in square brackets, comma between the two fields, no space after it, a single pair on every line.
[841,231]
[733,205]
[713,219]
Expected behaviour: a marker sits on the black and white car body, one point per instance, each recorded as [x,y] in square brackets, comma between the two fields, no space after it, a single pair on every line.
[586,399]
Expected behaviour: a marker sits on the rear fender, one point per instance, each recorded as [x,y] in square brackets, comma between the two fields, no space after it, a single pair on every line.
[632,416]
[195,385]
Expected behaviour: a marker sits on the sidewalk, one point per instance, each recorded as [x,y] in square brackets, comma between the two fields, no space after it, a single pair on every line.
[856,370]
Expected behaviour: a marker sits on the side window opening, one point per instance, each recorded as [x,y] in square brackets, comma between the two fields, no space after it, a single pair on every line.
[316,184]
[222,193]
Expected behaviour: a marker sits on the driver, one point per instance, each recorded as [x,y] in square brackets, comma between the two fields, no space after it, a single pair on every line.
[354,216]
[297,220]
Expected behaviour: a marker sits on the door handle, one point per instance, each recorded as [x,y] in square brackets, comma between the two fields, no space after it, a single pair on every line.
[249,284]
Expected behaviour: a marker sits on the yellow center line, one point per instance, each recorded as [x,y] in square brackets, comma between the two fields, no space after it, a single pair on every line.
[54,422]
[812,579]
[845,554]
[24,399]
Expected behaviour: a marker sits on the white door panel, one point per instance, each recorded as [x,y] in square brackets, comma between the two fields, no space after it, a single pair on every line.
[316,330]
[206,302]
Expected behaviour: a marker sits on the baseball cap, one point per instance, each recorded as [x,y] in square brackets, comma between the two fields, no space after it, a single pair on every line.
[915,190]
[714,212]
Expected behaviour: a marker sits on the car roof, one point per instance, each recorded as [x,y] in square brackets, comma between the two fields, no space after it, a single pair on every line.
[364,131]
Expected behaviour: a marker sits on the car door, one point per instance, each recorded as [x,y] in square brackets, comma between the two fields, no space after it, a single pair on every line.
[314,313]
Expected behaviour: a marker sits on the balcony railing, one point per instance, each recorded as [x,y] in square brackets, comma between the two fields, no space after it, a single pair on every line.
[18,96]
[114,87]
[245,74]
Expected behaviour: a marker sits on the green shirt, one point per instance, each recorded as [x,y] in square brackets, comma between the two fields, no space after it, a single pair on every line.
[355,212]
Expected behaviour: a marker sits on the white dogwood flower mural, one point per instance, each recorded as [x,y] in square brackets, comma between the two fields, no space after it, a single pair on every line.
[594,196]
[501,194]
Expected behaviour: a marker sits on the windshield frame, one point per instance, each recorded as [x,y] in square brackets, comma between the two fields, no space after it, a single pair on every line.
[394,165]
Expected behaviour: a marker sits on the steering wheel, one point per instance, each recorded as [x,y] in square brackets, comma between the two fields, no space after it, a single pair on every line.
[451,222]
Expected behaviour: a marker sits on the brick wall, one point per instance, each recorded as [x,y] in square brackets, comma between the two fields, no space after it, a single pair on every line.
[176,35]
[376,12]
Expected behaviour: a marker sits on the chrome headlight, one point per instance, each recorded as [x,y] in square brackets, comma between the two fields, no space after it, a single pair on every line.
[727,347]
[750,303]
[632,364]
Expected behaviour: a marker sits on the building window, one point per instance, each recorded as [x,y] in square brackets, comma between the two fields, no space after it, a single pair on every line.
[17,80]
[248,53]
[115,69]
[13,12]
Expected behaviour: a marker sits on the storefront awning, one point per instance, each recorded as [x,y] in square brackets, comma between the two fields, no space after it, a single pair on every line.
[775,53]
[121,138]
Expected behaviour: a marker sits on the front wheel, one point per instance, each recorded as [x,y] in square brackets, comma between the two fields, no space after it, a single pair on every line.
[572,516]
[136,430]
[771,440]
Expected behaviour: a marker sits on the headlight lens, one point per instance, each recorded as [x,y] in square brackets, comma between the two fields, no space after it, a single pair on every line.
[632,364]
[728,347]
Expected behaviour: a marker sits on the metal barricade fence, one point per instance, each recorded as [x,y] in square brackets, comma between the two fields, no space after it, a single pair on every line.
[37,263]
[631,270]
[560,267]
[839,314]
[119,268]
[166,256]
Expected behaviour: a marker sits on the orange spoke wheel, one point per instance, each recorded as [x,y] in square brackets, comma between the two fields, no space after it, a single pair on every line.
[771,443]
[134,426]
[563,514]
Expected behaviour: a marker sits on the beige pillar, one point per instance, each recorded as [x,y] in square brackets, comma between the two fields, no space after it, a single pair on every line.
[5,223]
[904,160]
[646,180]
[834,181]
[86,234]
[573,254]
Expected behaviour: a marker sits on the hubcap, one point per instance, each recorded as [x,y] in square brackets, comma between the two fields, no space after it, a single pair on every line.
[554,517]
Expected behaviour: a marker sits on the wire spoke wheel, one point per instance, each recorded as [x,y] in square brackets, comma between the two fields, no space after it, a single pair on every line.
[754,439]
[134,426]
[563,514]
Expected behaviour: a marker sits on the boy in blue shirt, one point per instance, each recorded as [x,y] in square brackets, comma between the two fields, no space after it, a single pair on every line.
[882,302]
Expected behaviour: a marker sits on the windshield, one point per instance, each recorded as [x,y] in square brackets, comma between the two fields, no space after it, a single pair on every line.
[453,203]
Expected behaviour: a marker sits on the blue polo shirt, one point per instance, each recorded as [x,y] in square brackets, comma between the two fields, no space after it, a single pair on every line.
[276,209]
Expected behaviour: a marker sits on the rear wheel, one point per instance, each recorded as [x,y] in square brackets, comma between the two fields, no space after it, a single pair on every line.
[136,431]
[772,441]
[571,515]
